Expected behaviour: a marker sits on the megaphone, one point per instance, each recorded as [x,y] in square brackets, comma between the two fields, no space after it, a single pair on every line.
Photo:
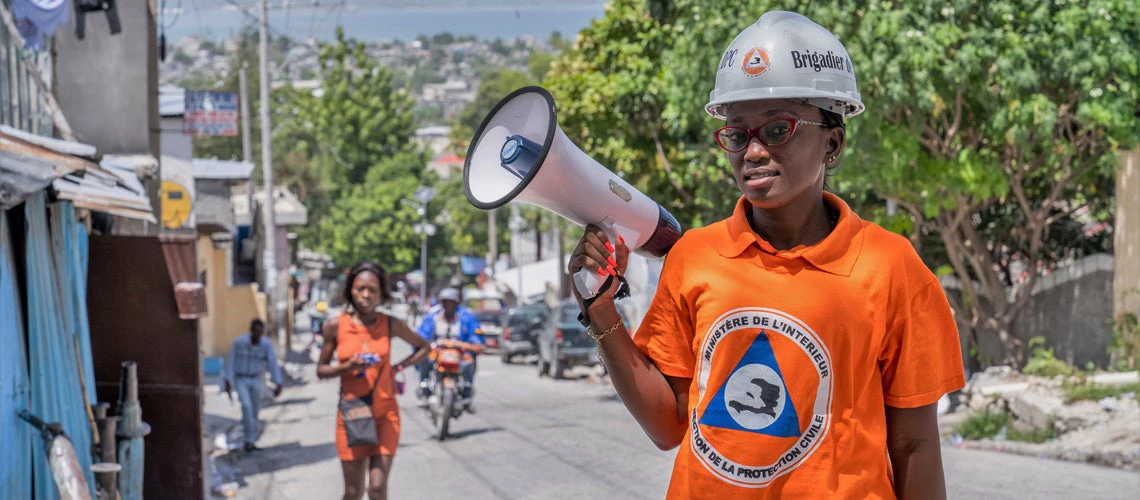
[519,153]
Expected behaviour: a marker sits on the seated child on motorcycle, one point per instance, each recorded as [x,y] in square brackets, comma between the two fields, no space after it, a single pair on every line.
[449,320]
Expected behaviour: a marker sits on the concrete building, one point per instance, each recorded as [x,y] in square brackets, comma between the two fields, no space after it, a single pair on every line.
[290,212]
[171,107]
[231,304]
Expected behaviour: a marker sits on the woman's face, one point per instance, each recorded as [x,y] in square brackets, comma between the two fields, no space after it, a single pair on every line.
[366,291]
[772,177]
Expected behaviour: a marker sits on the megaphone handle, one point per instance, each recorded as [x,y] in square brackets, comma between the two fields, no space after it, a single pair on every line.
[588,283]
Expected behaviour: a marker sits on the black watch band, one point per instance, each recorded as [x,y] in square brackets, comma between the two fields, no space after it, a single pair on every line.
[622,292]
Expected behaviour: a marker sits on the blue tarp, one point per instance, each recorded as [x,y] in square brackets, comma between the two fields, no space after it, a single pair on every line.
[472,266]
[15,435]
[54,361]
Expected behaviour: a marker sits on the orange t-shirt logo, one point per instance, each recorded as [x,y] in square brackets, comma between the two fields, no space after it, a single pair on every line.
[770,376]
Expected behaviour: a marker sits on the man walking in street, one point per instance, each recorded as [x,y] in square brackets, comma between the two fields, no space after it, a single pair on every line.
[249,359]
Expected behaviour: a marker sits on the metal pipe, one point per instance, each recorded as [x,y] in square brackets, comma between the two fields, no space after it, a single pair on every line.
[131,430]
[106,472]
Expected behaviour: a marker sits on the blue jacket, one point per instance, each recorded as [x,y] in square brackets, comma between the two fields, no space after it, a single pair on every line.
[470,330]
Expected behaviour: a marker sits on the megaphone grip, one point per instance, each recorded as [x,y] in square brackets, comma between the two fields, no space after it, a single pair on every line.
[588,283]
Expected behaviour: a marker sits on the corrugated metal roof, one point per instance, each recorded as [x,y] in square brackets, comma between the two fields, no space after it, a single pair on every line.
[27,168]
[171,101]
[144,166]
[57,145]
[213,168]
[30,163]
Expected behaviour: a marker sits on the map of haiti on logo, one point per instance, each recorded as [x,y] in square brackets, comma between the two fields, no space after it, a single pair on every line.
[752,423]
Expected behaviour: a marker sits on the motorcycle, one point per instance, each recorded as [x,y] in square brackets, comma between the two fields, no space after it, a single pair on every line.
[446,384]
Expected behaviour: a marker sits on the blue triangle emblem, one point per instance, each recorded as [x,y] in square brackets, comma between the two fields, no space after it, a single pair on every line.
[754,398]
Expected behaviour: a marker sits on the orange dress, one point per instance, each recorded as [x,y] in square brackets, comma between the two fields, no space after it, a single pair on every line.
[351,339]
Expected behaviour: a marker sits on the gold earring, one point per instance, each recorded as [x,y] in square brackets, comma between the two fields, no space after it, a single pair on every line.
[832,159]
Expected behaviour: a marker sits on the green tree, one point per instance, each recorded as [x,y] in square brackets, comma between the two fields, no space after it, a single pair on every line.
[612,99]
[370,222]
[994,125]
[493,88]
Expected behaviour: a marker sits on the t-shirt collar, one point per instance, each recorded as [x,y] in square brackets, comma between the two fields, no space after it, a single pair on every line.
[835,254]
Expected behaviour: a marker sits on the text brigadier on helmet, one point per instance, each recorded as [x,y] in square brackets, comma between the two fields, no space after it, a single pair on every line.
[792,349]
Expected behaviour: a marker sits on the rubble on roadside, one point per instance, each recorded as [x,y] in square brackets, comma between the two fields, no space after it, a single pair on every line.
[1104,432]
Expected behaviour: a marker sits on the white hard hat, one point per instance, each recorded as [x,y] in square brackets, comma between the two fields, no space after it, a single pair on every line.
[786,56]
[449,294]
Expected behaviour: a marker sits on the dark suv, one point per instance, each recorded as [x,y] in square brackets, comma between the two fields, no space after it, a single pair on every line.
[523,326]
[565,344]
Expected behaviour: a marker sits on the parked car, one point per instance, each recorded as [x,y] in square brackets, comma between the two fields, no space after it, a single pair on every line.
[524,324]
[565,344]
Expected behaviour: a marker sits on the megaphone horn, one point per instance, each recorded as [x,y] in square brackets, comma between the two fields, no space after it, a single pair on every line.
[519,153]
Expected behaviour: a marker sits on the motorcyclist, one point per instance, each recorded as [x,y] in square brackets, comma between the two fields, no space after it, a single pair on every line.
[449,320]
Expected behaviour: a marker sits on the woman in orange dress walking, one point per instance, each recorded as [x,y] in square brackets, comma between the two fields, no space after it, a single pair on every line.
[357,335]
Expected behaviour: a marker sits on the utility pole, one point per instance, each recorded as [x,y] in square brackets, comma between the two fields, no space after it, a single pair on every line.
[516,225]
[246,138]
[557,222]
[423,254]
[269,262]
[492,240]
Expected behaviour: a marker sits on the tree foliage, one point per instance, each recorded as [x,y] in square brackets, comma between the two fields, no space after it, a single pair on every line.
[996,125]
[493,88]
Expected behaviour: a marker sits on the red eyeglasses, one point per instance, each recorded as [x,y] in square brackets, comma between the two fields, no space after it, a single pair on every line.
[774,133]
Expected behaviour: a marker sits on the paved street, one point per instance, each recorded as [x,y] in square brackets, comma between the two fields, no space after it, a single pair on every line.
[542,438]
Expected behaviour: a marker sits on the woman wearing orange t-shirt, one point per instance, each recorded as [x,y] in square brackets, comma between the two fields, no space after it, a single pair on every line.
[791,349]
[361,331]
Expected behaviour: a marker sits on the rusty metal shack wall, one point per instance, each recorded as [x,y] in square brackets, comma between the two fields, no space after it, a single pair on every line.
[134,318]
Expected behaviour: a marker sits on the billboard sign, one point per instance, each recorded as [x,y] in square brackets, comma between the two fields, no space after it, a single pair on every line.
[210,113]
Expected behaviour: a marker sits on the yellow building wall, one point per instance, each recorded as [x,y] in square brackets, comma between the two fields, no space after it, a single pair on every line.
[230,308]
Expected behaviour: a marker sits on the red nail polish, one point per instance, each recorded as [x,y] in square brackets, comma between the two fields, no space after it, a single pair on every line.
[612,270]
[601,271]
[612,261]
[610,247]
[621,239]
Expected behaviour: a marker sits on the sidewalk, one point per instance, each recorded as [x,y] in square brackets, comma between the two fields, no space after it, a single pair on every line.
[295,435]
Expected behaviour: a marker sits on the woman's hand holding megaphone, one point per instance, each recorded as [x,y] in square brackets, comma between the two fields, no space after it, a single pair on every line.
[596,253]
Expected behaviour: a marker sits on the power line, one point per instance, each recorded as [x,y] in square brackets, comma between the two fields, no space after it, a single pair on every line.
[177,15]
[338,7]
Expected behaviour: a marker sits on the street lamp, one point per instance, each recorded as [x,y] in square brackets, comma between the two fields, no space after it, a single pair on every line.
[425,229]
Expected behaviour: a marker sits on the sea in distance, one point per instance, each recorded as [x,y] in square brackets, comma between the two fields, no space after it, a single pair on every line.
[370,23]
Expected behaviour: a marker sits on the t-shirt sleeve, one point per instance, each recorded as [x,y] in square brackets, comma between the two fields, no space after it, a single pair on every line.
[665,335]
[921,358]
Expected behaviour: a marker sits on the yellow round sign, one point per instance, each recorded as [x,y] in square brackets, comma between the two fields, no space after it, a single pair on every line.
[176,205]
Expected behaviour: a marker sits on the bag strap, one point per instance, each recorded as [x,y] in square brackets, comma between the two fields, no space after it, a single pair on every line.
[376,382]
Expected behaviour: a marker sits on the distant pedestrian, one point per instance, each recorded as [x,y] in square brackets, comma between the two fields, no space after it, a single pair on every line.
[250,358]
[360,339]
